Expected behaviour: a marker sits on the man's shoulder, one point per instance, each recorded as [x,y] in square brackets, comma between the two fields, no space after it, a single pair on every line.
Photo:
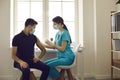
[18,35]
[33,36]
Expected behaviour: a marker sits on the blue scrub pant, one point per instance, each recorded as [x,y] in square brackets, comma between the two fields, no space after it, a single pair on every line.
[39,65]
[52,63]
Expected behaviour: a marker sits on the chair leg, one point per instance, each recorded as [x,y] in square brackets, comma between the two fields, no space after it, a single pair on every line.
[111,73]
[21,77]
[70,76]
[32,76]
[62,73]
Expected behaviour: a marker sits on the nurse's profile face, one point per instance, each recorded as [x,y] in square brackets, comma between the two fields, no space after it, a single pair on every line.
[54,23]
[55,26]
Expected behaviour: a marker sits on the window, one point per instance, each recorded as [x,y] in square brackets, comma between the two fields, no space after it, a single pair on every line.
[44,11]
[29,9]
[66,9]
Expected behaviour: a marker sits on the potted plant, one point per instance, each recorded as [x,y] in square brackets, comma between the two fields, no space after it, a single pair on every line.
[118,5]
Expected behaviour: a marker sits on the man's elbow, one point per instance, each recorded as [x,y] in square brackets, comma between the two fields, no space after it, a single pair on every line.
[44,50]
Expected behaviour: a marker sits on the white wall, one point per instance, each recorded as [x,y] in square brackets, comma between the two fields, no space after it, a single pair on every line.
[96,38]
[88,31]
[102,53]
[6,69]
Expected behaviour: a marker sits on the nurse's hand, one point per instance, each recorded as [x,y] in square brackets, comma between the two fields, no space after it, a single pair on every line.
[36,59]
[49,43]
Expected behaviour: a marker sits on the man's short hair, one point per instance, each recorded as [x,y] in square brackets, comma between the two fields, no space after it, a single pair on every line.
[31,22]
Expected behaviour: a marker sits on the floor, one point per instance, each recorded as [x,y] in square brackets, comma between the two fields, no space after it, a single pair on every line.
[94,79]
[90,79]
[98,79]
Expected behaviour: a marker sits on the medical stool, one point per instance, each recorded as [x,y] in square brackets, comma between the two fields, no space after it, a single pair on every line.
[67,68]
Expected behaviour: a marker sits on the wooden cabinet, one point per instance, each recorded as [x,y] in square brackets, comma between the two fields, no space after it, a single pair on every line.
[115,42]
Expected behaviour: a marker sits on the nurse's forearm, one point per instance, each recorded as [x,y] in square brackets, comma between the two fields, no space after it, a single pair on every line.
[59,48]
[47,46]
[62,47]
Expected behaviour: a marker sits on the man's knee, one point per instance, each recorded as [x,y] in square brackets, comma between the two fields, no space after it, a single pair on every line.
[46,68]
[26,69]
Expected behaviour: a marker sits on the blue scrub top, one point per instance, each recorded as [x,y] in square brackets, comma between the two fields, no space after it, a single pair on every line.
[64,36]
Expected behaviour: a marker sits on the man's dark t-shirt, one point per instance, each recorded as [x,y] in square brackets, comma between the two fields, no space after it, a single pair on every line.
[25,46]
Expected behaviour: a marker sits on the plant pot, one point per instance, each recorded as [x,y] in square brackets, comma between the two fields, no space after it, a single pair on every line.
[118,7]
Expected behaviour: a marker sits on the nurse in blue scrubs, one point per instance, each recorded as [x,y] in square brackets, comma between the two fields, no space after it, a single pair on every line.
[62,44]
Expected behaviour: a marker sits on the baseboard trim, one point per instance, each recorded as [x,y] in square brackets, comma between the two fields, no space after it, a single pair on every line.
[91,75]
[86,75]
[102,76]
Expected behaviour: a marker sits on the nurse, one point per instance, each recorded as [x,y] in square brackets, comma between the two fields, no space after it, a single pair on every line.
[62,44]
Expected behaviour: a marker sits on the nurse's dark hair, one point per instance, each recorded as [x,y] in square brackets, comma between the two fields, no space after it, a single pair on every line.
[59,20]
[31,22]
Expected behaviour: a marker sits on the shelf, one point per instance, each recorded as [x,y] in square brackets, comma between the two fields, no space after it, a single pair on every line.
[115,35]
[116,64]
[115,67]
[115,42]
[115,38]
[115,32]
[115,51]
[114,12]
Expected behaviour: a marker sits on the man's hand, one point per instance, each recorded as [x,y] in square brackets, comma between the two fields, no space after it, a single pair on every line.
[36,59]
[23,64]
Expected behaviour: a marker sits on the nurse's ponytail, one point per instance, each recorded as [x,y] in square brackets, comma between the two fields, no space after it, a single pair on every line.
[58,20]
